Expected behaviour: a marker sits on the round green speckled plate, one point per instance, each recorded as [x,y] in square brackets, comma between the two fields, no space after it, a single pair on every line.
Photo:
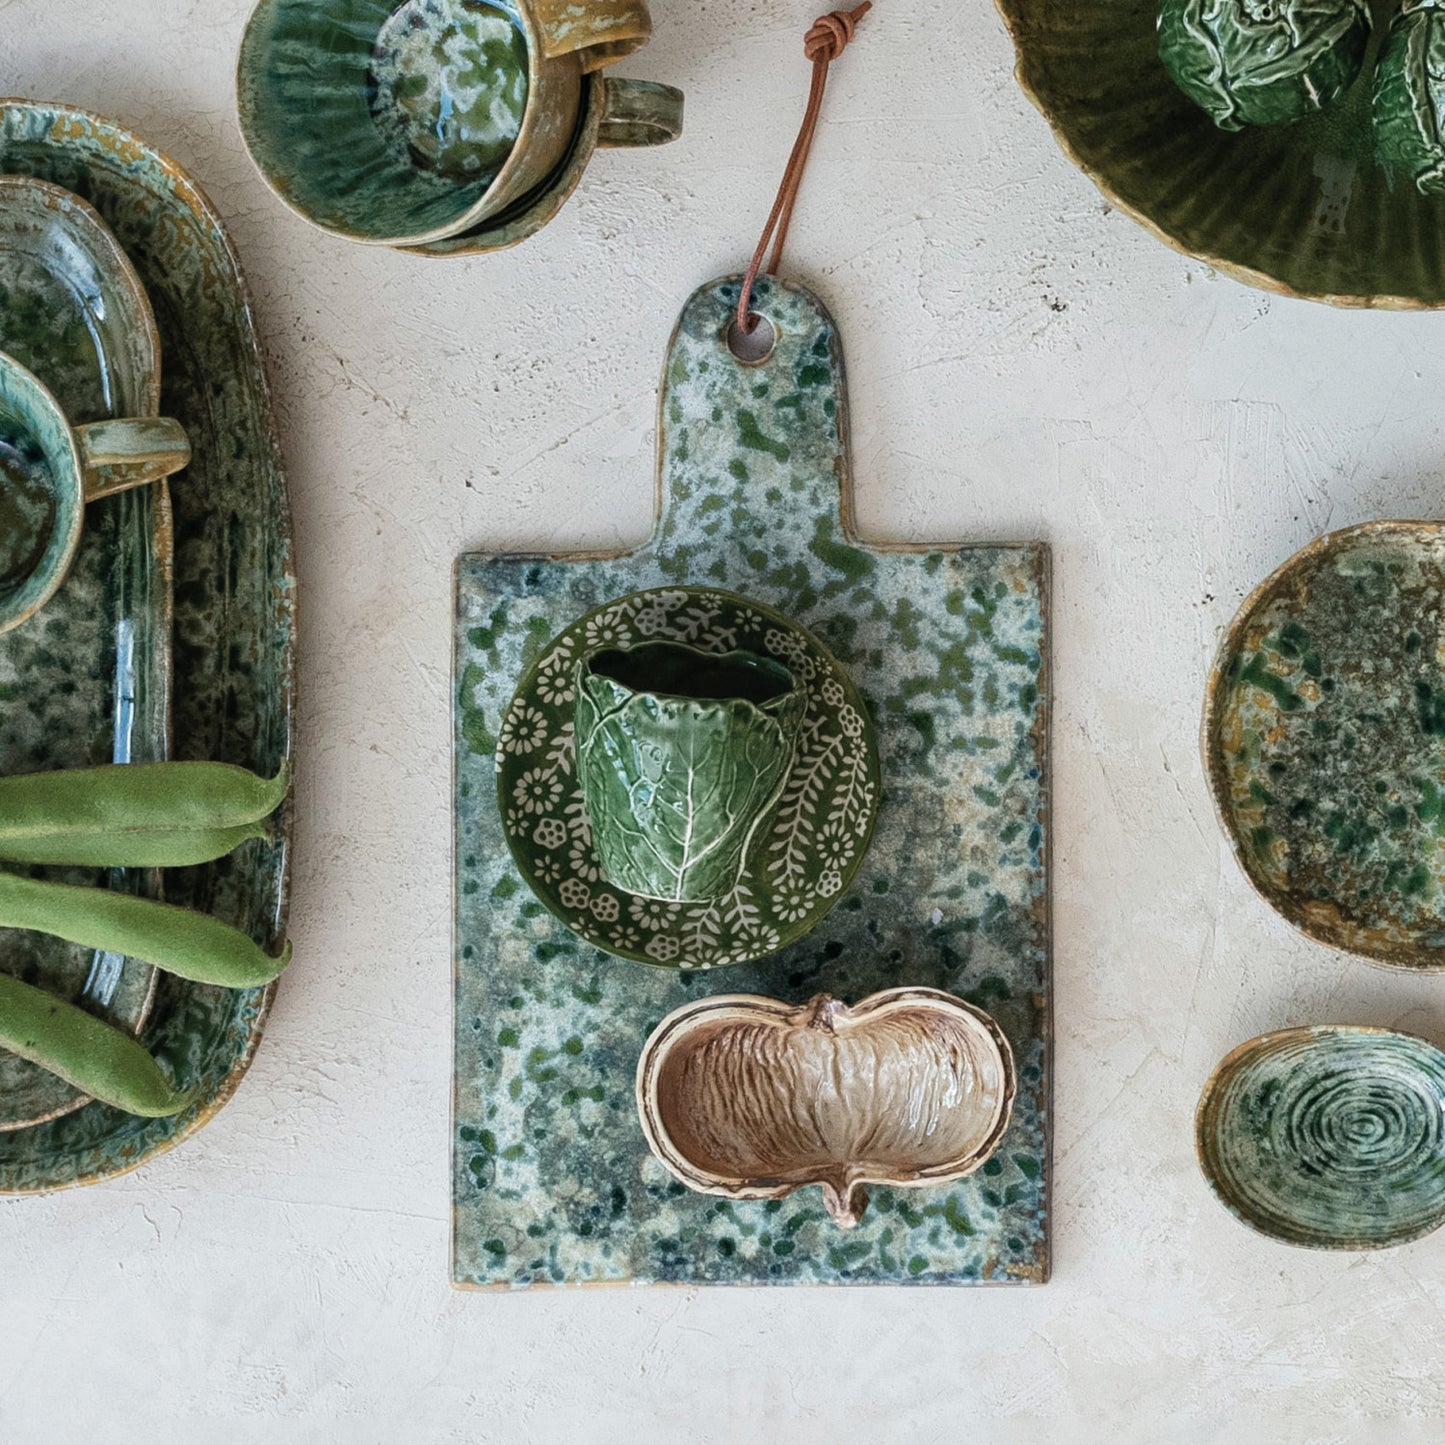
[1324,741]
[1303,209]
[1331,1136]
[797,868]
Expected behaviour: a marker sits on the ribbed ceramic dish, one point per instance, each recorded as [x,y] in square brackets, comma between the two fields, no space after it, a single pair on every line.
[1322,738]
[1301,209]
[234,589]
[748,1097]
[1331,1136]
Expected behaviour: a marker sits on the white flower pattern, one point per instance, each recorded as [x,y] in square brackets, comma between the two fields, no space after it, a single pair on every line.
[554,678]
[537,791]
[663,947]
[524,730]
[652,913]
[574,893]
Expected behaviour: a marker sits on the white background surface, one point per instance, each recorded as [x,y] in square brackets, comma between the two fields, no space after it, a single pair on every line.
[1023,363]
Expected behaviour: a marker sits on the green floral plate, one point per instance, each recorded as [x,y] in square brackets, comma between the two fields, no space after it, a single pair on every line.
[799,865]
[1323,736]
[234,636]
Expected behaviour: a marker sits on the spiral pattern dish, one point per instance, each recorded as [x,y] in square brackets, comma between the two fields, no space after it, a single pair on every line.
[1331,1137]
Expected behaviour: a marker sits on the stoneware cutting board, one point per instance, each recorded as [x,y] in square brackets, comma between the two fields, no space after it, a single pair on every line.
[552,1179]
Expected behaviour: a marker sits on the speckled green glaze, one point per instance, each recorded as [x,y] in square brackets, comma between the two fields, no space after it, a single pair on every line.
[88,680]
[553,1181]
[1323,740]
[1303,209]
[809,848]
[614,114]
[308,97]
[1409,96]
[449,83]
[42,502]
[1328,1136]
[324,91]
[1263,62]
[234,593]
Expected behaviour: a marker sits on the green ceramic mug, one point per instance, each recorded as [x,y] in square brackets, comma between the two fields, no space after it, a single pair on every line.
[406,123]
[615,114]
[682,756]
[49,470]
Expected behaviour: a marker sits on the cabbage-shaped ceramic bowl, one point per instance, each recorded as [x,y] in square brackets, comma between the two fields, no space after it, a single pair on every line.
[1304,209]
[752,1098]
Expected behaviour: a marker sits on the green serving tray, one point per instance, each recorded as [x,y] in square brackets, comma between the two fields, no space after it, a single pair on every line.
[234,594]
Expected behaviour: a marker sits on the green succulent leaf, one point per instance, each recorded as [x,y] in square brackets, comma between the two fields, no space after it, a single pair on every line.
[1263,62]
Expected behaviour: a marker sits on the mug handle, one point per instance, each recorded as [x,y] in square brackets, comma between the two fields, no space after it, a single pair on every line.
[599,32]
[118,455]
[639,113]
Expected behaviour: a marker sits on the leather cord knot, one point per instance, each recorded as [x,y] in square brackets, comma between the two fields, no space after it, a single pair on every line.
[823,44]
[830,34]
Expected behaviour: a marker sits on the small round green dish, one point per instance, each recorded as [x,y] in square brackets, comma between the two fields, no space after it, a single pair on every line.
[800,863]
[1331,1136]
[1324,741]
[1304,209]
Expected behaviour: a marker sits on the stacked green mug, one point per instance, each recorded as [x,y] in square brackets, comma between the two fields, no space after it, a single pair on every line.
[443,127]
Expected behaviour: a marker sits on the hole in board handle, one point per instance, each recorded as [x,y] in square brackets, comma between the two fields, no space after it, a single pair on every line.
[754,347]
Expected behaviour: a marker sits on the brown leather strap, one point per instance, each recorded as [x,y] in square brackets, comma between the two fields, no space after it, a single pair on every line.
[823,44]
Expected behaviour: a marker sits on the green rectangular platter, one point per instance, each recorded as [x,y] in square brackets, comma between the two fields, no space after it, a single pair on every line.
[552,1179]
[234,590]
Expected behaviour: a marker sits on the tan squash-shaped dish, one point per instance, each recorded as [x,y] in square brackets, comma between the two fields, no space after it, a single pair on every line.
[752,1098]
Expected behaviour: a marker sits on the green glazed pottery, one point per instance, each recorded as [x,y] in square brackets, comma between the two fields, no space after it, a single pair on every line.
[1323,737]
[50,470]
[82,659]
[74,310]
[449,83]
[946,644]
[1305,209]
[1263,63]
[89,680]
[818,823]
[748,1097]
[1328,1136]
[682,756]
[405,124]
[1409,97]
[615,114]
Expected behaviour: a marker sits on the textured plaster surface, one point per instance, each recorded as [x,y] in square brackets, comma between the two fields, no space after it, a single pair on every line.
[1021,364]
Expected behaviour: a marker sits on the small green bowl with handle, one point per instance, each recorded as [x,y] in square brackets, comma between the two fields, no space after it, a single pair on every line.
[49,470]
